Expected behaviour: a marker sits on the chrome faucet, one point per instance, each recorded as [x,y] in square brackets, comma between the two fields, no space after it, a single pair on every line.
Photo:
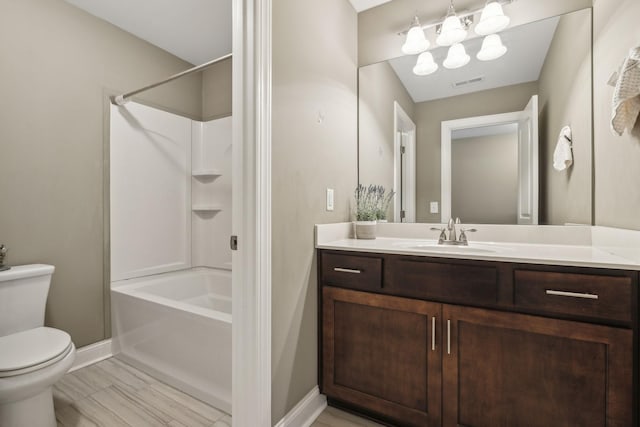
[451,226]
[3,254]
[453,238]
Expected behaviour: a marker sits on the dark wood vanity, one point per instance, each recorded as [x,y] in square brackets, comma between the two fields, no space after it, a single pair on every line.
[423,341]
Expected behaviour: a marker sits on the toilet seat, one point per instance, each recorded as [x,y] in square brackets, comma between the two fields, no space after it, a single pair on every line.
[31,350]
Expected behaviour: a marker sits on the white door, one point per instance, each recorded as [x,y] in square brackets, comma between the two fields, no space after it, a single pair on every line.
[528,164]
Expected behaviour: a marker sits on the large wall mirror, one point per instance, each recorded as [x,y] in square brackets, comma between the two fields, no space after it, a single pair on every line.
[478,142]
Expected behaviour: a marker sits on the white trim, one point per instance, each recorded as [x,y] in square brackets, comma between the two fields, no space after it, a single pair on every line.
[447,128]
[93,353]
[306,411]
[251,301]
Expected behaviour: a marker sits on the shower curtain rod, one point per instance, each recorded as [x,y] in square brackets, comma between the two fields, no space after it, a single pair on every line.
[124,98]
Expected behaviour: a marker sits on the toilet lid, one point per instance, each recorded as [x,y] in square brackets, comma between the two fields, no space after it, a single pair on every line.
[31,348]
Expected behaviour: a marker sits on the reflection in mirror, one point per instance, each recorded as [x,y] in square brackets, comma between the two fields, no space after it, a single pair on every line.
[550,59]
[489,168]
[474,152]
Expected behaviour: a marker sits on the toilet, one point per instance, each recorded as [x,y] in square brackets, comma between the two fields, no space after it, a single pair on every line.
[32,357]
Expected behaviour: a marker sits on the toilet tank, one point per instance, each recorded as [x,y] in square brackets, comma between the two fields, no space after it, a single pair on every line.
[23,296]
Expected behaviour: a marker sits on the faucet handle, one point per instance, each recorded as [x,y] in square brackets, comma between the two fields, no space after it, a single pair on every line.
[443,234]
[463,235]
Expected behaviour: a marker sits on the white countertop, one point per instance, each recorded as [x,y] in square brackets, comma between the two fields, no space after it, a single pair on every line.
[553,254]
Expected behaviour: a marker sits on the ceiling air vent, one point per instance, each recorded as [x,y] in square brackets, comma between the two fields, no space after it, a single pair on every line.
[468,82]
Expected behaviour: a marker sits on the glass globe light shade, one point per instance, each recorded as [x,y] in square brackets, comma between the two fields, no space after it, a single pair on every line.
[425,65]
[451,32]
[416,42]
[492,48]
[492,19]
[457,57]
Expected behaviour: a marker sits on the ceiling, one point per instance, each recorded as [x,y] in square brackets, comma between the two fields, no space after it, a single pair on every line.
[194,30]
[527,49]
[362,5]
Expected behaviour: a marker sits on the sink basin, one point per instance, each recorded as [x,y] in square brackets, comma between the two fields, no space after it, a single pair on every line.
[433,246]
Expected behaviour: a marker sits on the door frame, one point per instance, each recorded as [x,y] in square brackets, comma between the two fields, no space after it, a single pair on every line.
[251,299]
[402,120]
[447,128]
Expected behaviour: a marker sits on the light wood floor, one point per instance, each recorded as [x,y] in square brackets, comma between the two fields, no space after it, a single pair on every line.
[332,417]
[114,394]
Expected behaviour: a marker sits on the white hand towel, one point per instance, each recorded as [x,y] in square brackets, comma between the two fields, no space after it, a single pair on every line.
[626,97]
[563,156]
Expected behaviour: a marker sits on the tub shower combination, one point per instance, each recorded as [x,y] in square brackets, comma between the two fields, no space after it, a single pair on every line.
[170,262]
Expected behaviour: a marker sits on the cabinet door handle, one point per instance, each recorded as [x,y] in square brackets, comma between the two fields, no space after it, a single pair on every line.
[448,336]
[346,270]
[571,294]
[433,334]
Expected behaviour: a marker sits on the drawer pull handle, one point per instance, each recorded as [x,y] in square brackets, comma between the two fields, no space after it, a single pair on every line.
[571,294]
[346,270]
[448,336]
[433,334]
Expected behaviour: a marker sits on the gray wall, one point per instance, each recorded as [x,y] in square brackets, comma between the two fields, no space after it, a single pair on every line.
[58,65]
[484,179]
[378,88]
[429,116]
[216,90]
[314,147]
[617,158]
[565,99]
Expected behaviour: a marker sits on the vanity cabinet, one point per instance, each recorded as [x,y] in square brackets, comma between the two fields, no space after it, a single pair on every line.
[380,353]
[508,369]
[418,341]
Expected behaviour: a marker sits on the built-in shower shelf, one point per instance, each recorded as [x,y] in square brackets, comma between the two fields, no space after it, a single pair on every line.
[206,208]
[206,173]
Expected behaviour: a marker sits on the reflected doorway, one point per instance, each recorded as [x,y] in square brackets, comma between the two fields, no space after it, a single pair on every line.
[490,168]
[404,181]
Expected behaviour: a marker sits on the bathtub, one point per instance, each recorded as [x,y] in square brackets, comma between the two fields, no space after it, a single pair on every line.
[177,328]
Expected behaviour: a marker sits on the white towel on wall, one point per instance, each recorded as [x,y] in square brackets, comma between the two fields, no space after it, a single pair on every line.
[626,97]
[562,155]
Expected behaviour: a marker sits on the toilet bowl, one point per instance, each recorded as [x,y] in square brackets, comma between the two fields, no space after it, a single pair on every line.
[32,357]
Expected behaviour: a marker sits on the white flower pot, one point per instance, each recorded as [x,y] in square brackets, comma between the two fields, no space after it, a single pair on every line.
[366,230]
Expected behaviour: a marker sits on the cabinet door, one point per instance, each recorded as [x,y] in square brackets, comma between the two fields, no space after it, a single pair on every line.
[512,370]
[380,354]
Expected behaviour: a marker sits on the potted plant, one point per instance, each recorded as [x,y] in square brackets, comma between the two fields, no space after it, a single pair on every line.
[384,201]
[366,211]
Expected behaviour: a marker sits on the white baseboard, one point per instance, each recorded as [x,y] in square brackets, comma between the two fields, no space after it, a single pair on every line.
[306,411]
[93,353]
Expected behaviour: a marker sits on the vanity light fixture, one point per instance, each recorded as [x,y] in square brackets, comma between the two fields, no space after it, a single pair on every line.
[492,19]
[416,41]
[492,48]
[457,57]
[425,65]
[452,31]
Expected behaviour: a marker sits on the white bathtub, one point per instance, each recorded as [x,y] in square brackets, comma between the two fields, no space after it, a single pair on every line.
[177,328]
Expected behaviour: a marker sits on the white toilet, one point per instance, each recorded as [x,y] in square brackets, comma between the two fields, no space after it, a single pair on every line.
[32,357]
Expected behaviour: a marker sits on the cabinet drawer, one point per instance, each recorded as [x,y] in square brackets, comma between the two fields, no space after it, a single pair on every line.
[441,281]
[585,295]
[352,271]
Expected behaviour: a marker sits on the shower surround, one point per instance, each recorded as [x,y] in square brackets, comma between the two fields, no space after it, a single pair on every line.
[170,214]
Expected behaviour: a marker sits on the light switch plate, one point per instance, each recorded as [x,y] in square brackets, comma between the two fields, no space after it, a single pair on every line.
[330,199]
[433,207]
